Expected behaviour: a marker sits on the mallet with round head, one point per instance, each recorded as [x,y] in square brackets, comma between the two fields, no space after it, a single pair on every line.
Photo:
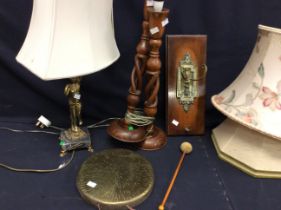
[186,148]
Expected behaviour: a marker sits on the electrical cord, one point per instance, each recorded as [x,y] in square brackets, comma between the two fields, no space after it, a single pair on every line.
[28,131]
[60,167]
[56,128]
[138,118]
[97,125]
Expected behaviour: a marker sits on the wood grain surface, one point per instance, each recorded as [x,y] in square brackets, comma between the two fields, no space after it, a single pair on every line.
[191,122]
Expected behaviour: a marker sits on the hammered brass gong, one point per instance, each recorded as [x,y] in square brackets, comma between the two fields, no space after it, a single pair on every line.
[115,179]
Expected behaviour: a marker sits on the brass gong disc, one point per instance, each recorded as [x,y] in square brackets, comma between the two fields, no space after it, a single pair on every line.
[115,179]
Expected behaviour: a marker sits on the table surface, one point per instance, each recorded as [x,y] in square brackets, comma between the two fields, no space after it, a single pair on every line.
[204,182]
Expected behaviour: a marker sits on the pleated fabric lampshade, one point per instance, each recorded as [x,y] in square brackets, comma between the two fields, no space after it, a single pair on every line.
[69,38]
[250,137]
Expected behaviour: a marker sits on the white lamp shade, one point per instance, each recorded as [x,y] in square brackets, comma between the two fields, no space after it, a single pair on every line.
[69,38]
[250,138]
[254,98]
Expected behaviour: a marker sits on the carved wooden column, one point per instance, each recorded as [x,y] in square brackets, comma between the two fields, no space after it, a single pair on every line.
[156,138]
[122,129]
[140,65]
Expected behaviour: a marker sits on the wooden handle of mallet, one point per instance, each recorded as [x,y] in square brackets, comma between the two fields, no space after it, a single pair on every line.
[186,148]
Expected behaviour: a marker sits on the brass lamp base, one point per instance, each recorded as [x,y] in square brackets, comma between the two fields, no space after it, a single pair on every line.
[75,137]
[155,141]
[119,130]
[70,140]
[115,179]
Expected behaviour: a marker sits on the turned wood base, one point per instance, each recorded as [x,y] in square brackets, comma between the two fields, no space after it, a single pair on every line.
[154,142]
[118,129]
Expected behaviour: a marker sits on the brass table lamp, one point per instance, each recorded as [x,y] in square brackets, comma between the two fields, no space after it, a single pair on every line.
[69,39]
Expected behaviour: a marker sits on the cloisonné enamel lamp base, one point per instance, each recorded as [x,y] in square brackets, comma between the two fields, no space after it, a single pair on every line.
[252,152]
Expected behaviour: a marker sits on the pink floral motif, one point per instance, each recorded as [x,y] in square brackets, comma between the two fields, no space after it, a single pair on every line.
[270,98]
[219,99]
[249,116]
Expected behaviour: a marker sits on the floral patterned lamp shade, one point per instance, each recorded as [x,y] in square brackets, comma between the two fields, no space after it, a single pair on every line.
[251,137]
[69,38]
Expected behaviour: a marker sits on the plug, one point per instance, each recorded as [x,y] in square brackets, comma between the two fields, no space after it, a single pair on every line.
[43,122]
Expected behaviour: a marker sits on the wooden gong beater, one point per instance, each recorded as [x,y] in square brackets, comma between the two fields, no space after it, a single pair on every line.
[186,148]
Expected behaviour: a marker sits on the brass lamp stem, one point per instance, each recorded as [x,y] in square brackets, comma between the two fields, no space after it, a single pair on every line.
[72,91]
